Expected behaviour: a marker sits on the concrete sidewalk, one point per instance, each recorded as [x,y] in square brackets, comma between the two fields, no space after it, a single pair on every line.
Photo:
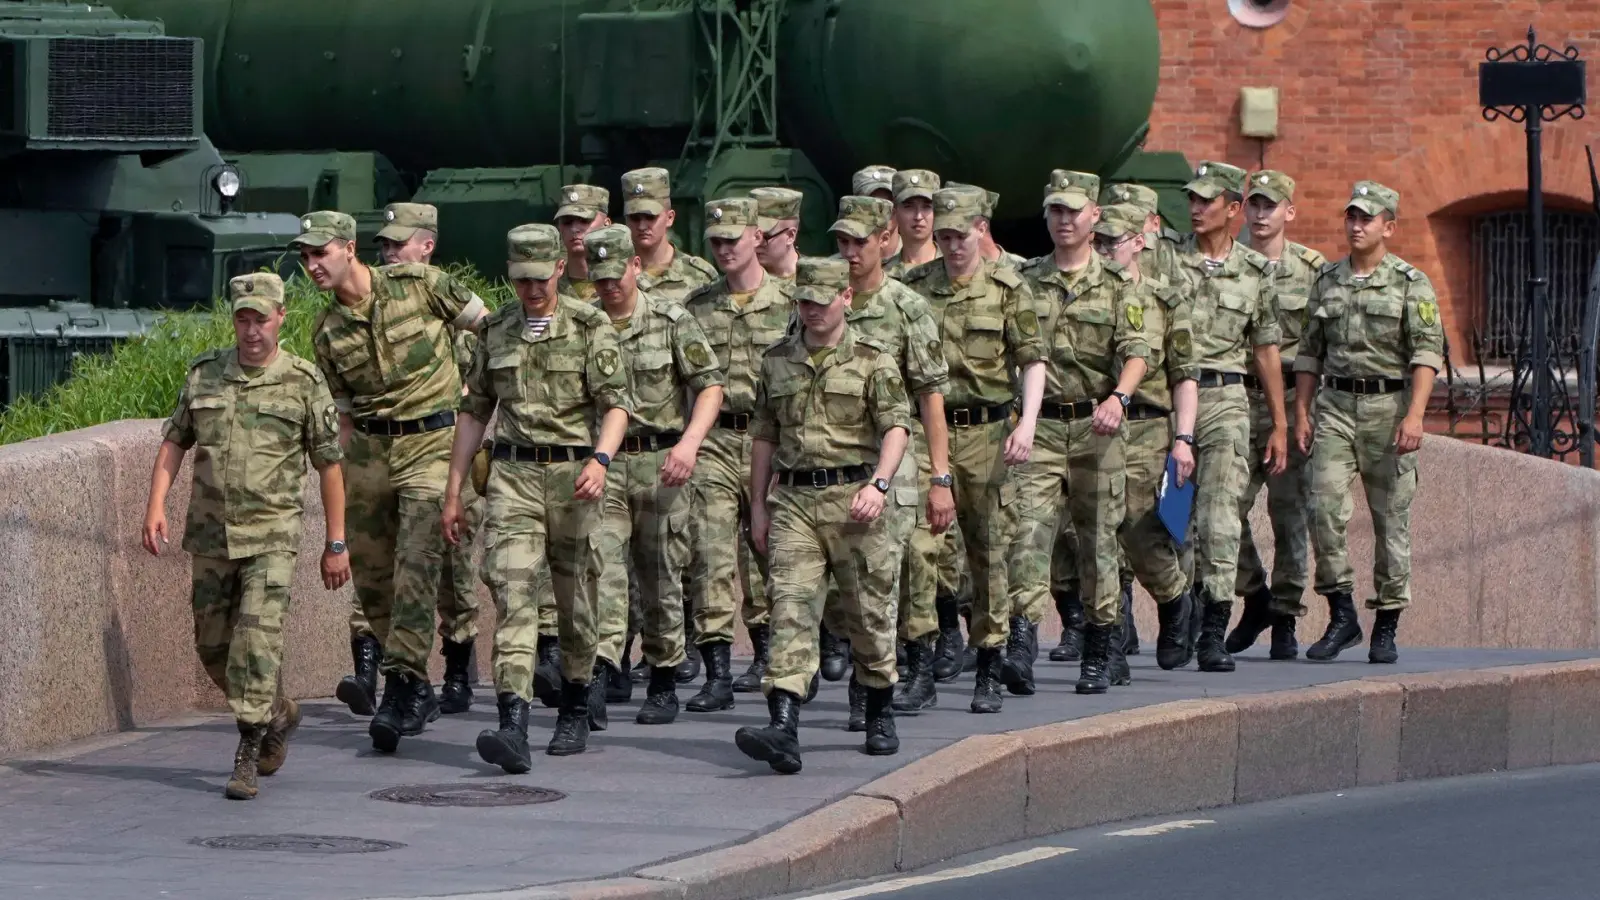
[125,817]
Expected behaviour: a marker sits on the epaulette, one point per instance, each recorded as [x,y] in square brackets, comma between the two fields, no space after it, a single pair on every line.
[206,356]
[407,270]
[304,365]
[1256,258]
[873,345]
[1168,295]
[700,265]
[1035,262]
[1327,268]
[1412,273]
[1167,234]
[704,289]
[585,314]
[921,271]
[672,312]
[1006,275]
[1312,258]
[789,334]
[1118,270]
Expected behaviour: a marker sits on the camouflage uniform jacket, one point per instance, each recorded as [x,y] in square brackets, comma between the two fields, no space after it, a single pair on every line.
[1235,306]
[988,328]
[577,288]
[1380,326]
[829,414]
[739,335]
[550,389]
[1171,360]
[1093,321]
[251,434]
[664,351]
[1294,273]
[1161,257]
[683,275]
[895,266]
[900,320]
[393,358]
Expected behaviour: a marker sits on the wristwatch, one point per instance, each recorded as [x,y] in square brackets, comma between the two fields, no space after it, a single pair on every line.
[336,546]
[1122,397]
[1186,438]
[882,484]
[604,459]
[945,480]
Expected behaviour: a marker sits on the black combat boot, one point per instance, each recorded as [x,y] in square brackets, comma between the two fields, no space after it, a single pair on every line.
[881,738]
[1117,671]
[811,689]
[360,691]
[689,670]
[423,708]
[547,671]
[948,652]
[917,693]
[718,691]
[597,695]
[1383,628]
[986,696]
[1284,645]
[456,695]
[835,659]
[969,656]
[1130,638]
[1197,616]
[661,698]
[858,706]
[761,645]
[1344,629]
[619,683]
[572,721]
[242,784]
[1174,647]
[507,747]
[1069,605]
[778,744]
[387,725]
[1017,668]
[1094,676]
[1256,618]
[1210,652]
[900,658]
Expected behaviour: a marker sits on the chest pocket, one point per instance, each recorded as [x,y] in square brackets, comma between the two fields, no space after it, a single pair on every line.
[279,425]
[1292,313]
[652,376]
[788,401]
[983,338]
[210,420]
[841,398]
[505,375]
[1231,315]
[1090,330]
[351,355]
[1383,316]
[563,382]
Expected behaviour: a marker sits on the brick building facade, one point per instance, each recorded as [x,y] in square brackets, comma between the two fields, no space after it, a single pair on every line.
[1381,89]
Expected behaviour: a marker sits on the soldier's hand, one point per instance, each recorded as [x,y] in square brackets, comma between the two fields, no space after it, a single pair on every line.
[867,505]
[450,519]
[1184,455]
[1303,434]
[1019,446]
[155,530]
[1408,436]
[335,569]
[1107,416]
[591,482]
[941,509]
[758,527]
[679,467]
[1277,456]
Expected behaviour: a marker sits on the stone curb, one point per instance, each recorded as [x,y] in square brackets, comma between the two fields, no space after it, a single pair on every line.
[1157,760]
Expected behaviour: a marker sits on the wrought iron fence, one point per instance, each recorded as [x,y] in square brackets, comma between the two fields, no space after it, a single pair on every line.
[1500,262]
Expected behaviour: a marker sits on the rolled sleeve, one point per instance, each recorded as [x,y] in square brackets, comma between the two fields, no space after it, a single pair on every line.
[1424,326]
[1265,329]
[180,425]
[609,389]
[925,364]
[887,402]
[322,426]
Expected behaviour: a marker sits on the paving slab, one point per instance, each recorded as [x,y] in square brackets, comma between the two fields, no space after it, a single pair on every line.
[127,817]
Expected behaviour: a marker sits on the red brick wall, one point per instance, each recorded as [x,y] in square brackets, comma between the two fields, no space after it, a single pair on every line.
[1380,89]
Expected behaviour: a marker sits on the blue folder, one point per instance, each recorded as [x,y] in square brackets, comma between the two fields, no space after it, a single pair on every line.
[1174,503]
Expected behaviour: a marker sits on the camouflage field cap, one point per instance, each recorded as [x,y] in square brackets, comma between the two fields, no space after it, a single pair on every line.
[260,291]
[1212,178]
[1074,190]
[909,183]
[956,208]
[872,178]
[583,201]
[646,192]
[1373,198]
[1137,194]
[1271,184]
[318,228]
[609,251]
[1120,220]
[532,251]
[991,203]
[861,216]
[819,280]
[729,217]
[775,204]
[402,220]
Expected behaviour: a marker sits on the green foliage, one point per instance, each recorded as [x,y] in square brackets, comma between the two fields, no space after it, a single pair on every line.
[141,377]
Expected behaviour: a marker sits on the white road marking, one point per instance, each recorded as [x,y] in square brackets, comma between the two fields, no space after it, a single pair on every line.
[1163,828]
[1010,860]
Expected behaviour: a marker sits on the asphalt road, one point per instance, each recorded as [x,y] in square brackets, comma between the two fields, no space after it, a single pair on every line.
[1530,835]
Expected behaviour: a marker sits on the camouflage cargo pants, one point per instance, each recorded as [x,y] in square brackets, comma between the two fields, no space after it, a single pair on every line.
[1222,469]
[1075,470]
[721,540]
[394,495]
[811,535]
[917,582]
[539,541]
[239,609]
[647,532]
[458,581]
[1288,506]
[1355,437]
[984,493]
[1147,547]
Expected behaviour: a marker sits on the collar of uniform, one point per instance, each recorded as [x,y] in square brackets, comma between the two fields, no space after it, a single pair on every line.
[874,306]
[1380,277]
[557,319]
[800,353]
[272,373]
[672,272]
[1063,279]
[641,308]
[758,301]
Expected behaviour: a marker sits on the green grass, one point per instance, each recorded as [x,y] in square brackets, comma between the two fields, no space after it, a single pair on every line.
[141,377]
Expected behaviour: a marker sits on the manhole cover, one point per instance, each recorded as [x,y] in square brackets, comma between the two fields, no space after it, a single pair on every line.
[297,843]
[468,794]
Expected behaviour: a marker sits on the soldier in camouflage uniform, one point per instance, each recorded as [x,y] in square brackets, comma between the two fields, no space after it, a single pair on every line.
[742,313]
[1269,207]
[1092,316]
[778,211]
[676,384]
[831,413]
[991,339]
[409,235]
[383,343]
[551,366]
[254,413]
[583,209]
[1235,317]
[1374,319]
[878,182]
[913,218]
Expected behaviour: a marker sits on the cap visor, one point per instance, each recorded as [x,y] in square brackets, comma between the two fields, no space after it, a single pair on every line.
[1268,193]
[585,213]
[643,208]
[909,193]
[873,187]
[1069,200]
[726,232]
[1205,190]
[852,228]
[1110,230]
[397,233]
[1370,207]
[539,271]
[265,307]
[604,271]
[767,225]
[312,239]
[814,294]
[952,223]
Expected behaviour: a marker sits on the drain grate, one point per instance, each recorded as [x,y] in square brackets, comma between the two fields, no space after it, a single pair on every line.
[468,795]
[297,843]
